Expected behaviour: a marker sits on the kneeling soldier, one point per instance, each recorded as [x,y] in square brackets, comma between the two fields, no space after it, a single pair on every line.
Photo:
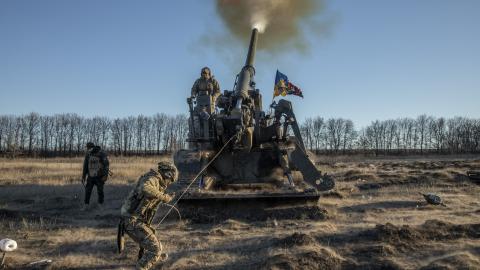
[139,209]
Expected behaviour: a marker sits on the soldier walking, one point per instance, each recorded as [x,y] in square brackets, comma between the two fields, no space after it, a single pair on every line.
[139,209]
[95,172]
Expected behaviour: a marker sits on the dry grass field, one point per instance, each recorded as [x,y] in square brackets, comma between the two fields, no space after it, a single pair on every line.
[374,219]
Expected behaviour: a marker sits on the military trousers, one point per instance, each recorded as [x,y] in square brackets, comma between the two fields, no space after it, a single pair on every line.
[144,236]
[91,182]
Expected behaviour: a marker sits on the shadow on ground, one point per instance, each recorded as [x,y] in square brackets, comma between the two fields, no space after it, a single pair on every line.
[61,204]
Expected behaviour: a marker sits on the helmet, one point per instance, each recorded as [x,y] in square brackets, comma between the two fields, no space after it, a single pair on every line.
[168,170]
[206,73]
[90,145]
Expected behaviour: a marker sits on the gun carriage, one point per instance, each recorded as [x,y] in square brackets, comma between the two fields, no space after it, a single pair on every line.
[257,159]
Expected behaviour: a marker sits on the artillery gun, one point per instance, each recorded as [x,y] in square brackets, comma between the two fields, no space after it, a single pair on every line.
[252,158]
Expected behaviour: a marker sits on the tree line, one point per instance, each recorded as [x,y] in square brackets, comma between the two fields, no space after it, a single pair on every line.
[66,135]
[424,134]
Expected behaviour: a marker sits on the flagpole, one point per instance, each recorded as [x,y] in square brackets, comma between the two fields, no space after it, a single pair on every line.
[270,112]
[273,95]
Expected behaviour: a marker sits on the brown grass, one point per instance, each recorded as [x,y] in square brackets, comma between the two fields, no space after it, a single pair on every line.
[64,171]
[40,201]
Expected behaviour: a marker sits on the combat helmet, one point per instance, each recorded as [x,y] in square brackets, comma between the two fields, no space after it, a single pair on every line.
[206,73]
[168,170]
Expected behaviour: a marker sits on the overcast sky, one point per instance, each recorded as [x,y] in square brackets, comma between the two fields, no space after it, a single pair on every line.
[378,60]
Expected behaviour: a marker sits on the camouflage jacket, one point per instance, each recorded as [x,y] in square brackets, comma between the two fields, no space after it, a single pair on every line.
[143,200]
[96,163]
[209,87]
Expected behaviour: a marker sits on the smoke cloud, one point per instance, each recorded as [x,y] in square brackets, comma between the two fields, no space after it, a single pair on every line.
[281,22]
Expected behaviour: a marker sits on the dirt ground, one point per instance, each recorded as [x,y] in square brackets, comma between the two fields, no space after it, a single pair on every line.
[375,218]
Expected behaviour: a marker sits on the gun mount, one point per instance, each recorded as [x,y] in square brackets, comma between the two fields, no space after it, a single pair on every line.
[262,163]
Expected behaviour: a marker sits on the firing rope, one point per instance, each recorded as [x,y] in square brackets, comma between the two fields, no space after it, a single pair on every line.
[195,178]
[176,209]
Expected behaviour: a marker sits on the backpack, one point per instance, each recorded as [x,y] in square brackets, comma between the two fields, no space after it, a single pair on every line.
[95,166]
[130,204]
[134,199]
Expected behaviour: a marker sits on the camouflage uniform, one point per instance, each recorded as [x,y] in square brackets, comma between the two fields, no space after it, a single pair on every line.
[204,88]
[96,167]
[140,207]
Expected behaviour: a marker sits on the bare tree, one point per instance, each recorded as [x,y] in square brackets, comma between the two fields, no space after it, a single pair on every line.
[159,127]
[318,131]
[3,130]
[306,129]
[422,124]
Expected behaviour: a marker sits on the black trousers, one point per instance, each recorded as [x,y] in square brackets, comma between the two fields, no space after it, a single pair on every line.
[94,181]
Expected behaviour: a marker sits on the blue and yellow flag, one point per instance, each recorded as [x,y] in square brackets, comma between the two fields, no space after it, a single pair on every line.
[283,87]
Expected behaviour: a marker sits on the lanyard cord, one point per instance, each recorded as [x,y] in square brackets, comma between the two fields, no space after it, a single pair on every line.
[195,178]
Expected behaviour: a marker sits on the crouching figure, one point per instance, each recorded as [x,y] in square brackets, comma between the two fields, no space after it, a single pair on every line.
[139,209]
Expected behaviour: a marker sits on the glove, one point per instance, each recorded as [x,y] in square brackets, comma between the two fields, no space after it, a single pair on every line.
[167,198]
[104,178]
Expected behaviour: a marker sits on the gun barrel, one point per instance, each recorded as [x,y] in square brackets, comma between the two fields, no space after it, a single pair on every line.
[252,48]
[248,71]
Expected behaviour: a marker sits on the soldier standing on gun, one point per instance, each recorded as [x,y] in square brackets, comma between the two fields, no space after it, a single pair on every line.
[95,172]
[139,209]
[205,90]
[206,87]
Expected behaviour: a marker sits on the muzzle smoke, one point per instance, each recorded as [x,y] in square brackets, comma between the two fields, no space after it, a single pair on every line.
[280,21]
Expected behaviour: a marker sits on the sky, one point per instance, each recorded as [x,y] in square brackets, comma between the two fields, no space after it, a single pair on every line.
[377,59]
